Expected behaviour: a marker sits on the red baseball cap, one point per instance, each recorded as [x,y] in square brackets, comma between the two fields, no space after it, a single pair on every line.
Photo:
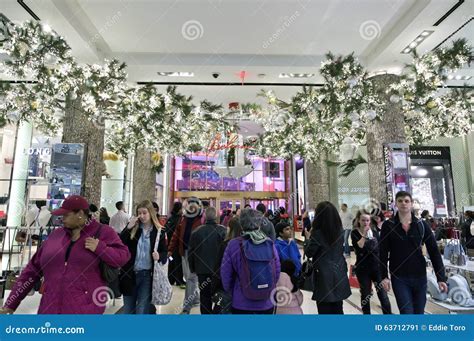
[72,203]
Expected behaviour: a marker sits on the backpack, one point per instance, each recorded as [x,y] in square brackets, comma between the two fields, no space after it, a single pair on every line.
[258,268]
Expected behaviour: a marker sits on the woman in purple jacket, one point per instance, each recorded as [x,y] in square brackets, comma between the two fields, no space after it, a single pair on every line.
[69,261]
[232,268]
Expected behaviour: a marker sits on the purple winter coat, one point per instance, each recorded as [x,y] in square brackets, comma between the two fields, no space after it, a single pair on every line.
[231,271]
[72,287]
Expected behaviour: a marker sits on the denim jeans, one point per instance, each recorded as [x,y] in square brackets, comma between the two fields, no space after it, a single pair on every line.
[410,294]
[140,301]
[347,247]
[191,294]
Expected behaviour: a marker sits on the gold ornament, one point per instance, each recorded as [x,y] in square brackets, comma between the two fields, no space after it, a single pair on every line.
[34,105]
[156,158]
[110,156]
[431,105]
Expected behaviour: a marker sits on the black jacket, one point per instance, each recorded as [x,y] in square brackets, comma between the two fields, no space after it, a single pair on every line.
[367,256]
[330,268]
[171,225]
[127,274]
[466,234]
[204,247]
[404,250]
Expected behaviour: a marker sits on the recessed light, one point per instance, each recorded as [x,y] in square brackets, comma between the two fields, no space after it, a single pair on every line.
[413,44]
[426,33]
[438,167]
[422,172]
[450,76]
[458,77]
[419,39]
[175,74]
[296,75]
[407,50]
[261,75]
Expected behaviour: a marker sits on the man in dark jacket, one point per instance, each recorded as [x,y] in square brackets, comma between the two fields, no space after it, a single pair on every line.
[203,254]
[401,242]
[266,227]
[181,237]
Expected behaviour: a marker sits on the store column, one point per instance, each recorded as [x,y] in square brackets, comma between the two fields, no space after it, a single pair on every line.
[469,159]
[389,129]
[78,129]
[317,177]
[17,203]
[144,177]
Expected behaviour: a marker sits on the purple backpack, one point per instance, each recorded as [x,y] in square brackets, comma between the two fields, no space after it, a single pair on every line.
[258,269]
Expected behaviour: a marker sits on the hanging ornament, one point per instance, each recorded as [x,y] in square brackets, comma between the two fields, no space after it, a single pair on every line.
[354,117]
[394,98]
[347,149]
[352,82]
[431,104]
[371,115]
[13,116]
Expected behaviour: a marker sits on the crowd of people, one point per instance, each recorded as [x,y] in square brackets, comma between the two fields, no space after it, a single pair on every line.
[243,262]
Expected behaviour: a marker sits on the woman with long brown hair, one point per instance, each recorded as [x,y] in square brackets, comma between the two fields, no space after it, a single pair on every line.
[136,276]
[324,245]
[365,239]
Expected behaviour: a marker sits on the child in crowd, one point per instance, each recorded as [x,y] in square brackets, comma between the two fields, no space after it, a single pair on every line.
[288,298]
[286,246]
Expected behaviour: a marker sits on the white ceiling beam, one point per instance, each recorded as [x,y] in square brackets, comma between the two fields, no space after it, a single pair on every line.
[406,16]
[78,19]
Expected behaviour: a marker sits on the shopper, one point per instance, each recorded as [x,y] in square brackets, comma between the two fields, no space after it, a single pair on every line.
[203,255]
[401,242]
[120,219]
[175,268]
[467,232]
[288,297]
[267,226]
[286,246]
[69,261]
[136,276]
[224,299]
[365,240]
[191,221]
[104,216]
[250,295]
[306,222]
[346,218]
[324,245]
[377,220]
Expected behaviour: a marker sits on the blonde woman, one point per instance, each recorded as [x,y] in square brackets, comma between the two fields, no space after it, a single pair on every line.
[136,276]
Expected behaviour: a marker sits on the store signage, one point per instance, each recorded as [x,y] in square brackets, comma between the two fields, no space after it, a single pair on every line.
[37,151]
[232,143]
[439,153]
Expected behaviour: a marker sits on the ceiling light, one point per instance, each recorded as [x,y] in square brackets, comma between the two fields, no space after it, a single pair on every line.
[176,74]
[450,76]
[417,41]
[296,75]
[458,77]
[438,167]
[422,172]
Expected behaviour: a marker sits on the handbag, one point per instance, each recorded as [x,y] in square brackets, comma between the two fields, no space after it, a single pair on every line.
[305,281]
[162,290]
[109,274]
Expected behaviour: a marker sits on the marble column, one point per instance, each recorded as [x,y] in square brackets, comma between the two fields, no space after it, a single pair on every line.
[144,177]
[389,129]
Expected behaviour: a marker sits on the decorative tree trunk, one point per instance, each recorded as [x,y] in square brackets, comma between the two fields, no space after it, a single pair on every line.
[317,175]
[390,129]
[144,177]
[78,129]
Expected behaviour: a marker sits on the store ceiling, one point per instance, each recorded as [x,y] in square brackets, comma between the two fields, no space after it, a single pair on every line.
[259,36]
